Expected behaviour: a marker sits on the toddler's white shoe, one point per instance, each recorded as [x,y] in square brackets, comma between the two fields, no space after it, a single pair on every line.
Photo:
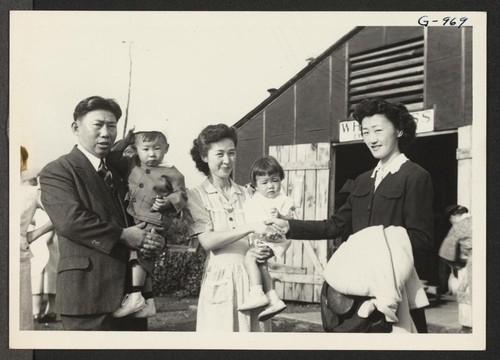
[272,309]
[254,302]
[131,303]
[148,311]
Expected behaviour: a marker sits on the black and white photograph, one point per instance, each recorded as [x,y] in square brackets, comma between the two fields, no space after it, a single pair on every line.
[186,177]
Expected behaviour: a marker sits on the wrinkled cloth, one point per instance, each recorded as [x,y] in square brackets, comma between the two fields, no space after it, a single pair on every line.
[378,262]
[258,208]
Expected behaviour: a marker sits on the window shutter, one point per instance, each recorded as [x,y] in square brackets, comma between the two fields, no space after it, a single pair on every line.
[394,73]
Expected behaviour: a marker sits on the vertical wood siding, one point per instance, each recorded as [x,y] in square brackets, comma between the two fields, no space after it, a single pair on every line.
[299,273]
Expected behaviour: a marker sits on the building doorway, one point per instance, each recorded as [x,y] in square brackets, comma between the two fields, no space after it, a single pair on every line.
[436,154]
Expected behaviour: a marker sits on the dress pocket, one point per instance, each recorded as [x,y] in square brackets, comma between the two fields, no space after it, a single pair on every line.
[216,291]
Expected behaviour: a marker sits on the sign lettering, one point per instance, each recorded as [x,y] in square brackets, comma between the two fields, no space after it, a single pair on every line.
[351,131]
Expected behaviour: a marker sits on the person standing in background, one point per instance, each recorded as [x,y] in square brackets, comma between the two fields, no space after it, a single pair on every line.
[30,197]
[456,250]
[44,269]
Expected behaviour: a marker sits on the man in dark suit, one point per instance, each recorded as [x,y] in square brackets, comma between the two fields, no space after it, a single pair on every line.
[83,198]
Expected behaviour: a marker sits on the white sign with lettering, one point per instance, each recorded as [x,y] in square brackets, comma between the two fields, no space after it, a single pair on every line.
[424,120]
[350,130]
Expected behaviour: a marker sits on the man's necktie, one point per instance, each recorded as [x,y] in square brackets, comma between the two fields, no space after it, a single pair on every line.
[106,175]
[104,172]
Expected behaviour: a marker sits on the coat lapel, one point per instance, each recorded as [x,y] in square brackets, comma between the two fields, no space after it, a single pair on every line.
[95,184]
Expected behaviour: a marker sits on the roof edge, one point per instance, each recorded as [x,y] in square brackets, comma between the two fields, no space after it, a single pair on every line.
[298,76]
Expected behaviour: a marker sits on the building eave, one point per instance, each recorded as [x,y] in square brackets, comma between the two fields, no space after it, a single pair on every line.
[298,76]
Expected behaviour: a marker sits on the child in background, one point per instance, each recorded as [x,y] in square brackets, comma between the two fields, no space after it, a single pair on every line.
[156,194]
[266,202]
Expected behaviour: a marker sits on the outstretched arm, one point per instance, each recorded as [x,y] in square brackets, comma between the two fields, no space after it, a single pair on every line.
[121,145]
[211,240]
[116,158]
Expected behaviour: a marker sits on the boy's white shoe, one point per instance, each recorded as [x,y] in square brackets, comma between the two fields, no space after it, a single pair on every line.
[272,309]
[254,302]
[148,311]
[130,304]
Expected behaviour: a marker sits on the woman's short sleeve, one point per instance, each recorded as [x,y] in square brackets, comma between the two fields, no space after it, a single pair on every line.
[198,216]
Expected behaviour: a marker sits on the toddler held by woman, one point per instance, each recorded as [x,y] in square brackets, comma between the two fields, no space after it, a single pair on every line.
[267,202]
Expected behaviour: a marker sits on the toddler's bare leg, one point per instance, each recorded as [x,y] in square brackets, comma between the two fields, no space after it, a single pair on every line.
[253,270]
[267,281]
[256,297]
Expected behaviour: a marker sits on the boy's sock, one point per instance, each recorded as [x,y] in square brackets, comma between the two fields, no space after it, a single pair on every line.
[147,294]
[134,289]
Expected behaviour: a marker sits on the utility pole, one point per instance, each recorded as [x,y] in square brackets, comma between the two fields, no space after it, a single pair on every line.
[129,84]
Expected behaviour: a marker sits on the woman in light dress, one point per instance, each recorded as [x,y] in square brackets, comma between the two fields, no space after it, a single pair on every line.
[215,215]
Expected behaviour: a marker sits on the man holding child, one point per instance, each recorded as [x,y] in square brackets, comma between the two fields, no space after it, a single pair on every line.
[83,196]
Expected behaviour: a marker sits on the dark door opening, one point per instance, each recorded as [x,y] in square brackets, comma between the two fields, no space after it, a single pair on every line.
[436,154]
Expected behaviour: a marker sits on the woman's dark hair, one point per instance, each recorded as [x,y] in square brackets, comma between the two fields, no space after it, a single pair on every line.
[24,154]
[209,135]
[266,165]
[396,113]
[97,103]
[455,210]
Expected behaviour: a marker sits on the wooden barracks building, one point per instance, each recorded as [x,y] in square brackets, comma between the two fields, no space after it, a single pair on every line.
[305,124]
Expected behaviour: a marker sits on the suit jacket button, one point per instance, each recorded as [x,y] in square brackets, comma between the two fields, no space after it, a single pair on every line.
[141,185]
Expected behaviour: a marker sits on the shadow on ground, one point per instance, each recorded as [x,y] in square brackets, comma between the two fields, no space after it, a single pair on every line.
[179,314]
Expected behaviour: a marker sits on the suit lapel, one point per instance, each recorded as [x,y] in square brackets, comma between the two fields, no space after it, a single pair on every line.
[95,184]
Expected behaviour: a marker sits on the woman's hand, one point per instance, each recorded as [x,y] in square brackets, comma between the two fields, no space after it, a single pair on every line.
[263,228]
[33,235]
[278,226]
[261,253]
[275,213]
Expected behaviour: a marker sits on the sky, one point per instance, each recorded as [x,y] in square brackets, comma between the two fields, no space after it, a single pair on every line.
[189,70]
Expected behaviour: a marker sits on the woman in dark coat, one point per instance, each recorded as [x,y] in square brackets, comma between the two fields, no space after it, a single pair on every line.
[397,192]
